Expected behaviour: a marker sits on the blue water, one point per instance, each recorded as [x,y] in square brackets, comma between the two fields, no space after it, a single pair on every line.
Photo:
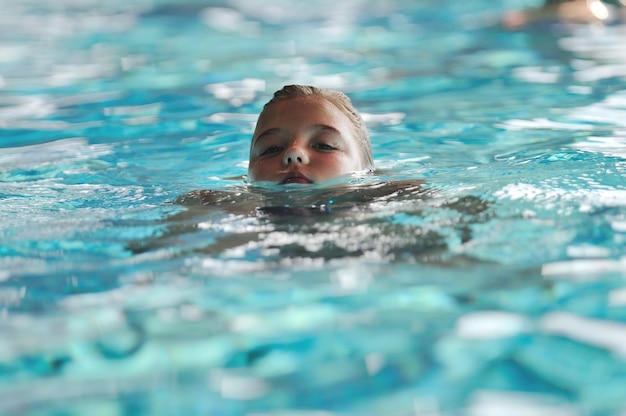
[497,287]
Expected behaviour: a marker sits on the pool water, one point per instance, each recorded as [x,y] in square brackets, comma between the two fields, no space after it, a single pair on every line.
[496,287]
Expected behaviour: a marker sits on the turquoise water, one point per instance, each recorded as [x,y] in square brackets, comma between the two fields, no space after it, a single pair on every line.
[497,287]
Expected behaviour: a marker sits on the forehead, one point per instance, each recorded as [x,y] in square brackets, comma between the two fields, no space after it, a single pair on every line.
[302,111]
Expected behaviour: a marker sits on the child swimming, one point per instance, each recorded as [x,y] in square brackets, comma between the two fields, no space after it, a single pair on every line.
[308,136]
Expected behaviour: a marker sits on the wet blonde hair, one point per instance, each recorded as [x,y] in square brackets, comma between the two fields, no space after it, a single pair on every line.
[343,103]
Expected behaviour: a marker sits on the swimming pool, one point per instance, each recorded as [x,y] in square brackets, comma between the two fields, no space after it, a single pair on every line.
[497,287]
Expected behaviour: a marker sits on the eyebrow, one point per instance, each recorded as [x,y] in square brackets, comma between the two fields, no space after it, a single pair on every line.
[274,130]
[266,133]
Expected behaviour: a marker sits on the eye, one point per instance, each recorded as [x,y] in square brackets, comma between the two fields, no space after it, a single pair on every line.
[271,150]
[324,146]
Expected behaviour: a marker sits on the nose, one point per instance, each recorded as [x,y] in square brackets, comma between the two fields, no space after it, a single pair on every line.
[295,154]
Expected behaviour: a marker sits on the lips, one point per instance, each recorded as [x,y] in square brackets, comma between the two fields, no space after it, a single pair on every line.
[295,177]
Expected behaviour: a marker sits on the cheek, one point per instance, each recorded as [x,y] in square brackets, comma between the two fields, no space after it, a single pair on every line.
[261,169]
[339,165]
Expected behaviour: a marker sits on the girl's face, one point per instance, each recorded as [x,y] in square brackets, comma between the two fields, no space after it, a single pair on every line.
[303,140]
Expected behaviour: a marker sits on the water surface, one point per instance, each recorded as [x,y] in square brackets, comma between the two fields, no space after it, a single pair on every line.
[497,284]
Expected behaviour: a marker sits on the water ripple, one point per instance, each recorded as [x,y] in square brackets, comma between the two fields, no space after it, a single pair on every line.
[58,152]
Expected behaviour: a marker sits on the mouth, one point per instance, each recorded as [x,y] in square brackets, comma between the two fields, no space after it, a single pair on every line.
[295,178]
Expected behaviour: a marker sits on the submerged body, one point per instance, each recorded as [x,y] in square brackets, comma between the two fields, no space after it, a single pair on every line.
[383,221]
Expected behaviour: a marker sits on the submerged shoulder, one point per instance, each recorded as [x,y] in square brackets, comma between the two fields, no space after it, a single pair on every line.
[387,190]
[236,200]
[216,197]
